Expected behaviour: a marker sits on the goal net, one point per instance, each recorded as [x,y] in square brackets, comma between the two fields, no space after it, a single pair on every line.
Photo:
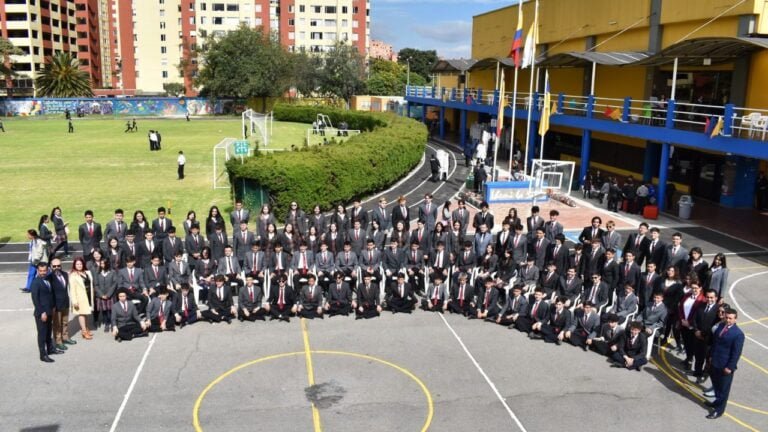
[222,152]
[258,124]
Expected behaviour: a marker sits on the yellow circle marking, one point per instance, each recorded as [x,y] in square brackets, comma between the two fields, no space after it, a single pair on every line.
[404,371]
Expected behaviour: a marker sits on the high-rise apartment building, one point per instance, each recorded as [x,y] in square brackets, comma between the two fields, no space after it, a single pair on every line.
[134,47]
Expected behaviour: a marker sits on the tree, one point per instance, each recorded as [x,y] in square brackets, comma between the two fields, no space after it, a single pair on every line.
[244,63]
[62,77]
[421,61]
[174,89]
[343,72]
[306,69]
[7,49]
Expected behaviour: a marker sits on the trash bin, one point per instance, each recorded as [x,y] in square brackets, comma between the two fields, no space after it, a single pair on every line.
[470,183]
[685,204]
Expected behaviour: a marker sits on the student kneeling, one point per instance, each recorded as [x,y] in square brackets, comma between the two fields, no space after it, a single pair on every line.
[630,353]
[311,299]
[367,299]
[220,304]
[250,305]
[435,300]
[339,299]
[187,311]
[126,323]
[281,301]
[160,312]
[403,299]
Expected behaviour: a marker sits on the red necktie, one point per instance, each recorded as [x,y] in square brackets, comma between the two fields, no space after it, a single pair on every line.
[414,256]
[250,292]
[370,257]
[161,315]
[420,233]
[357,234]
[535,308]
[90,230]
[304,260]
[637,241]
[155,269]
[487,299]
[461,296]
[186,307]
[280,302]
[347,257]
[130,274]
[725,330]
[626,271]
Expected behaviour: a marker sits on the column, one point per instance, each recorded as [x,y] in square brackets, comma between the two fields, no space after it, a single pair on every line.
[663,170]
[463,128]
[442,122]
[651,161]
[586,144]
[408,109]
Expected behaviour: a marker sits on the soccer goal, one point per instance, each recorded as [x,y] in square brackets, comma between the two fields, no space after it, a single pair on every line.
[222,152]
[254,122]
[552,175]
[322,131]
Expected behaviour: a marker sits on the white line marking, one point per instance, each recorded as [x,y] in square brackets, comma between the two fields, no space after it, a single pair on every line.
[488,380]
[17,310]
[133,384]
[745,314]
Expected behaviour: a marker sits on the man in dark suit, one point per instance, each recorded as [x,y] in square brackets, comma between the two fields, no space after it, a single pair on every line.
[282,303]
[552,227]
[461,214]
[368,302]
[558,253]
[238,215]
[631,351]
[160,312]
[250,301]
[403,298]
[116,228]
[533,223]
[465,261]
[436,296]
[676,255]
[592,232]
[608,339]
[638,243]
[487,302]
[648,284]
[59,281]
[358,213]
[126,323]
[171,246]
[519,246]
[302,263]
[515,307]
[310,304]
[421,236]
[727,343]
[593,258]
[414,266]
[347,262]
[43,301]
[461,296]
[155,275]
[254,264]
[629,272]
[241,242]
[186,308]
[503,239]
[428,213]
[553,330]
[220,304]
[356,237]
[577,260]
[483,217]
[537,312]
[655,250]
[654,315]
[609,270]
[569,287]
[529,274]
[147,249]
[132,280]
[596,292]
[325,266]
[703,321]
[382,215]
[161,225]
[90,235]
[179,273]
[401,213]
[297,218]
[550,280]
[339,299]
[218,241]
[538,247]
[584,326]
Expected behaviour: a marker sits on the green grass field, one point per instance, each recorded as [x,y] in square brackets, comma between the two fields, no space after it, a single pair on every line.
[99,167]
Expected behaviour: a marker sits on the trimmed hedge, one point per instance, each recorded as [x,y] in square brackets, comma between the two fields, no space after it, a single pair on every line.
[332,174]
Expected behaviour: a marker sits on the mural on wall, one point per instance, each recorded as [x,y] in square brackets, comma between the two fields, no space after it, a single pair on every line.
[165,107]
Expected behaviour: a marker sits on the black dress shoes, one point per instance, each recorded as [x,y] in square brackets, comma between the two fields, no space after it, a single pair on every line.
[46,359]
[714,415]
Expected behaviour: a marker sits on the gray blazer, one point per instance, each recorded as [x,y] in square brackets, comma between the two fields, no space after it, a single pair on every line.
[105,285]
[253,263]
[222,266]
[325,264]
[514,305]
[590,325]
[154,309]
[244,298]
[311,297]
[718,281]
[178,273]
[122,317]
[625,304]
[442,293]
[124,280]
[611,239]
[653,318]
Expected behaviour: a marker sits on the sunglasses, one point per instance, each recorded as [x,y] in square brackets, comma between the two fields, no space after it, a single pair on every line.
[55,266]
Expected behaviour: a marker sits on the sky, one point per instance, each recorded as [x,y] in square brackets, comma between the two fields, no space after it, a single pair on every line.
[442,25]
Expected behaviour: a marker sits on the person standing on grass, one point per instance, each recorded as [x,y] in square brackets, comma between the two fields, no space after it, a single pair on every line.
[186,115]
[71,127]
[2,127]
[181,161]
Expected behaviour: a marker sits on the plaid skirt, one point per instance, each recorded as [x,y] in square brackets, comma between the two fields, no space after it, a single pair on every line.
[104,305]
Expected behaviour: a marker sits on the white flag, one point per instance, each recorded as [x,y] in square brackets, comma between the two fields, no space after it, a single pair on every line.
[530,44]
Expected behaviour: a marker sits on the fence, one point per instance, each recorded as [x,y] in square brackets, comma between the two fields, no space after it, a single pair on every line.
[135,106]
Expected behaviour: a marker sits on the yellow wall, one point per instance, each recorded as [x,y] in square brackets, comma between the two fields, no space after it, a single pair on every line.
[631,40]
[611,82]
[725,26]
[692,10]
[757,96]
[569,81]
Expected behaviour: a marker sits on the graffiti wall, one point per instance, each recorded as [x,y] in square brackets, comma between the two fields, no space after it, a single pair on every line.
[137,106]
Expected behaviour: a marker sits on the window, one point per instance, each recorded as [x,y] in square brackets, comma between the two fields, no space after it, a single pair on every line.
[313,23]
[162,38]
[344,9]
[344,23]
[162,12]
[291,22]
[330,23]
[329,36]
[291,35]
[355,24]
[302,35]
[233,7]
[258,8]
[203,20]
[301,8]
[162,1]
[316,36]
[163,50]
[218,20]
[162,25]
[317,9]
[218,7]
[36,50]
[290,8]
[354,37]
[257,22]
[232,22]
[191,20]
[55,22]
[203,6]
[354,9]
[330,9]
[246,21]
[165,74]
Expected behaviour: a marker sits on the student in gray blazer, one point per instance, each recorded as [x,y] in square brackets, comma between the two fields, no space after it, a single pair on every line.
[436,295]
[250,301]
[126,323]
[654,315]
[239,214]
[584,326]
[515,306]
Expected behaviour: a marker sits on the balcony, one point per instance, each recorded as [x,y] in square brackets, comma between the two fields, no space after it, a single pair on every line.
[744,130]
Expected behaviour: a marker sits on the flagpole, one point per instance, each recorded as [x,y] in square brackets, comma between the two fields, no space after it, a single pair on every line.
[514,102]
[499,126]
[530,90]
[543,109]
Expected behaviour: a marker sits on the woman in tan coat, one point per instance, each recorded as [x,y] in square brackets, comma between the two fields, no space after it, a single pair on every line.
[80,284]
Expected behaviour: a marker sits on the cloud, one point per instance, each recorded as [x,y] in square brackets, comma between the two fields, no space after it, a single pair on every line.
[454,51]
[445,31]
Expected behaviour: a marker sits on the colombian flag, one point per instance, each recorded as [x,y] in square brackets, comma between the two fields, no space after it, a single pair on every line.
[517,42]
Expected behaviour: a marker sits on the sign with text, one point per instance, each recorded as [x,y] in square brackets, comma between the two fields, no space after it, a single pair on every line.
[509,192]
[241,148]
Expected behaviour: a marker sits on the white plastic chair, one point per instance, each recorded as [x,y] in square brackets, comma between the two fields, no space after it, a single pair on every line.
[748,123]
[759,126]
[649,349]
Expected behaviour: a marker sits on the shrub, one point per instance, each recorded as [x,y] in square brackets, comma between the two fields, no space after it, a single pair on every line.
[332,174]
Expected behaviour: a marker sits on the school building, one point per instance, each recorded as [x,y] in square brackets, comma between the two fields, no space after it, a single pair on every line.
[611,66]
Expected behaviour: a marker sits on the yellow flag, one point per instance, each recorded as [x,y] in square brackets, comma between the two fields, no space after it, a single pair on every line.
[546,108]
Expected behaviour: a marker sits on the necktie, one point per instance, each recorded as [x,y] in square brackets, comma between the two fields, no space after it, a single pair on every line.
[125,307]
[357,234]
[557,249]
[90,230]
[626,270]
[186,306]
[436,289]
[250,293]
[239,215]
[150,246]
[503,238]
[402,291]
[279,261]
[325,258]
[118,227]
[674,250]
[594,233]
[538,245]
[439,263]
[637,241]
[304,261]
[253,266]
[648,283]
[584,320]
[221,294]
[487,298]
[161,314]
[347,257]
[413,256]
[221,238]
[517,238]
[384,213]
[514,304]
[592,294]
[653,245]
[653,308]
[461,296]
[244,233]
[370,257]
[466,256]
[420,233]
[706,310]
[229,265]
[280,301]
[725,330]
[196,242]
[155,270]
[461,214]
[535,308]
[130,275]
[634,338]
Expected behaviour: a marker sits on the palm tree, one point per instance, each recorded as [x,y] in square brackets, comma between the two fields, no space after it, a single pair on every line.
[62,77]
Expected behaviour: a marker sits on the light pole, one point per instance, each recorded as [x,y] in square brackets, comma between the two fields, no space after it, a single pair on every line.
[408,73]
